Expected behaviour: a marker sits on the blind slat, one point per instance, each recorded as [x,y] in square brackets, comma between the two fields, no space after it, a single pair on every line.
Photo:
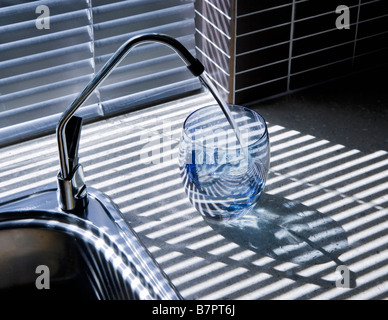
[41,77]
[49,91]
[43,60]
[142,21]
[35,112]
[27,28]
[36,45]
[26,10]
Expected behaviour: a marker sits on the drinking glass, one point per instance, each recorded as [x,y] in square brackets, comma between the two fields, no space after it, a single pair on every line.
[224,174]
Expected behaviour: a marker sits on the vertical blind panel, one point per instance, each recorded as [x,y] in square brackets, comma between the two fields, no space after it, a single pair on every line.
[41,70]
[148,68]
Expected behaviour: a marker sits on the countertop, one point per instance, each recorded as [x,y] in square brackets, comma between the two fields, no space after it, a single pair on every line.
[133,159]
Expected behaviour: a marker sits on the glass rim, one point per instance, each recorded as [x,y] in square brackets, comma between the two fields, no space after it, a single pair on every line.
[250,145]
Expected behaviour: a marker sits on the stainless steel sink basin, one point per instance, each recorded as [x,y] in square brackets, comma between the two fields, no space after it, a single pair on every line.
[94,256]
[23,250]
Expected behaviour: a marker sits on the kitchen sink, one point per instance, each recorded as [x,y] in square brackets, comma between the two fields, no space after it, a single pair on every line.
[49,254]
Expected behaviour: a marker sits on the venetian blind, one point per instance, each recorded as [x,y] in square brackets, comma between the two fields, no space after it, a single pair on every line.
[46,60]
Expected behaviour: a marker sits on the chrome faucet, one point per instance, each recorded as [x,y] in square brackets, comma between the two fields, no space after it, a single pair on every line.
[72,192]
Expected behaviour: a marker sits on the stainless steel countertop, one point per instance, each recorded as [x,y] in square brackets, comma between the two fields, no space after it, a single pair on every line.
[133,159]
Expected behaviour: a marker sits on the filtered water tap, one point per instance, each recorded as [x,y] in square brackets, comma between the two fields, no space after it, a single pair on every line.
[72,192]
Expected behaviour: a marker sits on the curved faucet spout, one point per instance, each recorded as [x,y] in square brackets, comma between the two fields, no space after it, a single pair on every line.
[192,63]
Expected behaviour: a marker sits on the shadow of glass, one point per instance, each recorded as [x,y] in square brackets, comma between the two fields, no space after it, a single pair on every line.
[286,231]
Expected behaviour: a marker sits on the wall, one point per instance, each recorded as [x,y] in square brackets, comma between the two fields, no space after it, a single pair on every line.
[254,50]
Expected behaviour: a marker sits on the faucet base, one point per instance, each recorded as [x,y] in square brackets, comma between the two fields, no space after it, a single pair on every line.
[72,193]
